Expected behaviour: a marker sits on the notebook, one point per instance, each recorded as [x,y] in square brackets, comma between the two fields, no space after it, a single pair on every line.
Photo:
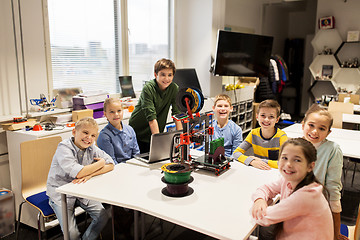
[159,147]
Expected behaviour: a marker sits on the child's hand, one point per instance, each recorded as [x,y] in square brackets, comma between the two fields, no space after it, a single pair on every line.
[81,180]
[101,160]
[260,164]
[342,237]
[259,209]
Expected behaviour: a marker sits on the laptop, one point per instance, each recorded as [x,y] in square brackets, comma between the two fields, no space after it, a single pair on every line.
[160,145]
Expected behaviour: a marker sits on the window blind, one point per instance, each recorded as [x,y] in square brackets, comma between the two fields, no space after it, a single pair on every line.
[82,40]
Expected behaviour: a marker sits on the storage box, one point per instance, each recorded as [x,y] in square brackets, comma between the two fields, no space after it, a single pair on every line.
[241,94]
[98,109]
[7,212]
[17,126]
[79,114]
[57,119]
[249,81]
[354,98]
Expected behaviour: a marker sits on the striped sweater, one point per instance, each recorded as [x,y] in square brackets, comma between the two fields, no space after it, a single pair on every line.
[266,149]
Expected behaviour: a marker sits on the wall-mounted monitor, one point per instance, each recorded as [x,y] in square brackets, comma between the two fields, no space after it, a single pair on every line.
[242,54]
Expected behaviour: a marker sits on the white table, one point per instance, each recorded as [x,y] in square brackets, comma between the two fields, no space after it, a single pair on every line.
[349,140]
[351,118]
[219,207]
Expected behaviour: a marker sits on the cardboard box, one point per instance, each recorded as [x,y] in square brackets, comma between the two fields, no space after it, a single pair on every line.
[248,81]
[16,126]
[79,114]
[61,118]
[354,98]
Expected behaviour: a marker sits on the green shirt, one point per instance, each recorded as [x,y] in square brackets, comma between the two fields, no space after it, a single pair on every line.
[153,104]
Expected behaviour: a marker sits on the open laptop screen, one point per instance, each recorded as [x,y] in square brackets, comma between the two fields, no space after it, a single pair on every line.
[160,145]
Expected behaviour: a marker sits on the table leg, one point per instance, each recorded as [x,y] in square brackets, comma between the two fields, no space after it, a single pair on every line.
[112,222]
[142,215]
[65,216]
[136,225]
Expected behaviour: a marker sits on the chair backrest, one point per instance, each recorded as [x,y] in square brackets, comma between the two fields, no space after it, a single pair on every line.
[357,226]
[36,158]
[337,109]
[337,119]
[341,107]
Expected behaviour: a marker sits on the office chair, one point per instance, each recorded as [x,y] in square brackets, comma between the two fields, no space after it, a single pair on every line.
[36,158]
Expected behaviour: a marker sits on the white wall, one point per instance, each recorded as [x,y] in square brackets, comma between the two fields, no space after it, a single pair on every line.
[276,24]
[26,32]
[347,17]
[301,23]
[244,15]
[34,47]
[197,23]
[9,87]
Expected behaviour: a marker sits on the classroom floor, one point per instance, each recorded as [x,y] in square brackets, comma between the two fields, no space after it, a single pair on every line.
[153,229]
[350,202]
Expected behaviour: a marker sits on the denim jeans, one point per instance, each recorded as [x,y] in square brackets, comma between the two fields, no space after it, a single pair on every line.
[96,211]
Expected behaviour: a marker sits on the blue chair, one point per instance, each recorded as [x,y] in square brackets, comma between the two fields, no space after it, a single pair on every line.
[36,158]
[344,229]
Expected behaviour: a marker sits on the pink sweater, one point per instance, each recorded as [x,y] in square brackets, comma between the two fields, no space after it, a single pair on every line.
[305,214]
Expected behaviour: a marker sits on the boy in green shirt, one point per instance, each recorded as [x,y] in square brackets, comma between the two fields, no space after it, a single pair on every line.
[150,114]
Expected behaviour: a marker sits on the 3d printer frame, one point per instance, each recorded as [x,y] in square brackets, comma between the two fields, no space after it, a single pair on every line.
[197,129]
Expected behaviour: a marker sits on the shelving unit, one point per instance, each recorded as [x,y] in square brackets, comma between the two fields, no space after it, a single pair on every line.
[322,87]
[242,113]
[320,60]
[348,78]
[347,50]
[326,37]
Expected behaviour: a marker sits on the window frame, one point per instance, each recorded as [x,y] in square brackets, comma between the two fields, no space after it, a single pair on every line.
[121,39]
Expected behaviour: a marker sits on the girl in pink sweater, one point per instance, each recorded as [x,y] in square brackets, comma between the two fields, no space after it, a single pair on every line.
[303,211]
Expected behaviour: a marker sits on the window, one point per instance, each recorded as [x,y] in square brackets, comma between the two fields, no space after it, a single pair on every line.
[86,44]
[148,37]
[82,44]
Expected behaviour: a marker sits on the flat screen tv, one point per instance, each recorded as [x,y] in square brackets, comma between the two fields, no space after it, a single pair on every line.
[242,54]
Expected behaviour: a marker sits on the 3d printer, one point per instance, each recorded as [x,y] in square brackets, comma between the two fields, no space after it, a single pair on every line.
[197,130]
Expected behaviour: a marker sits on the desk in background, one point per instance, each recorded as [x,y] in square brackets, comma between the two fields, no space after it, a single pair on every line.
[219,207]
[351,121]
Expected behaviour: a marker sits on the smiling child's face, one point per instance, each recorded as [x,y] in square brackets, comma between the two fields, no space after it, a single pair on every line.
[114,113]
[293,165]
[84,136]
[222,109]
[316,128]
[267,117]
[164,78]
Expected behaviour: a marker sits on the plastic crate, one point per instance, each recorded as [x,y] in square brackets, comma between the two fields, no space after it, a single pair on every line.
[7,212]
